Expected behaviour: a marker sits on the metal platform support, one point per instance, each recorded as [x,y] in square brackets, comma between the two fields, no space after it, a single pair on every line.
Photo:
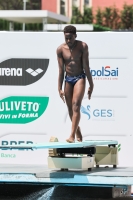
[64,158]
[106,155]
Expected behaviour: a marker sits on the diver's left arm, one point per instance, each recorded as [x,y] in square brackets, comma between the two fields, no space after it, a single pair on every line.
[87,68]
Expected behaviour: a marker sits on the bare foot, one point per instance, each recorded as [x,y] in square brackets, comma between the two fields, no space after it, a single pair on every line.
[78,134]
[70,139]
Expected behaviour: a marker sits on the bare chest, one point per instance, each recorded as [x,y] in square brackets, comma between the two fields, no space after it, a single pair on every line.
[74,55]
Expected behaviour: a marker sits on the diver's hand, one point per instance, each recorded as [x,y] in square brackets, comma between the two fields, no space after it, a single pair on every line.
[90,90]
[62,95]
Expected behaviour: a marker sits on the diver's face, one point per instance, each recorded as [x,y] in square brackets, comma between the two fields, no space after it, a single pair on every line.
[70,39]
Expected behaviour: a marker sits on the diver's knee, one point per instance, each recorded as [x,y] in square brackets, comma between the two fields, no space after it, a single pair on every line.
[76,106]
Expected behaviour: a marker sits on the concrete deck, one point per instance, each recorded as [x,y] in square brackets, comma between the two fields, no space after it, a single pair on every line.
[121,176]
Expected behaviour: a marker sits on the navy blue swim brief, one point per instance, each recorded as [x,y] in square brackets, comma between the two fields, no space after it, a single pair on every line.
[74,79]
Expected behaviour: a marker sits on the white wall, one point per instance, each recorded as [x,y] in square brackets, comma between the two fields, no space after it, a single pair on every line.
[110,113]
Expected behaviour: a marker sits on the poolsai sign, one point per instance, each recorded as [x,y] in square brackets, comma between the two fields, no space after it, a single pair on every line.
[22,109]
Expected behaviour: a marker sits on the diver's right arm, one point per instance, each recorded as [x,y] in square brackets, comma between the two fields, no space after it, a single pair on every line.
[61,72]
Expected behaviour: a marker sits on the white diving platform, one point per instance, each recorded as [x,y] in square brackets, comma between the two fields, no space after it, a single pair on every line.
[119,179]
[73,171]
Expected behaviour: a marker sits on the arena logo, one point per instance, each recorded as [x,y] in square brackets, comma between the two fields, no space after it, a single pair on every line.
[34,72]
[98,114]
[10,72]
[18,71]
[105,73]
[22,71]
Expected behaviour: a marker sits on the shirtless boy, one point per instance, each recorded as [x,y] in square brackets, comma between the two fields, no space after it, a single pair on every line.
[74,65]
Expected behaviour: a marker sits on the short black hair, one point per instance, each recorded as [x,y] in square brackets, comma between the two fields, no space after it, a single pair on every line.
[70,29]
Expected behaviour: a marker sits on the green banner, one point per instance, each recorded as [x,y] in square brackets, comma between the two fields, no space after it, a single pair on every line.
[22,109]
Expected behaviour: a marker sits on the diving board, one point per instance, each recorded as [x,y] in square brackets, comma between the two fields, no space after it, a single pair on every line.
[49,145]
[88,153]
